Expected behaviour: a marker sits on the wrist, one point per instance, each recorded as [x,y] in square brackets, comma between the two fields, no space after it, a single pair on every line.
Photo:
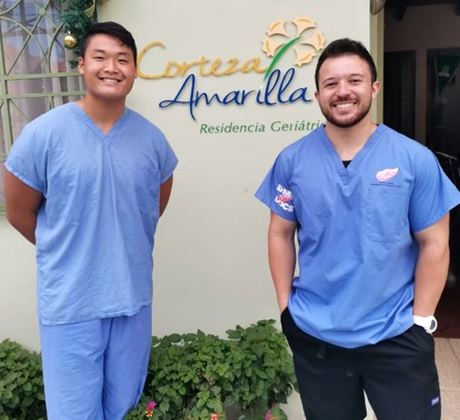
[429,323]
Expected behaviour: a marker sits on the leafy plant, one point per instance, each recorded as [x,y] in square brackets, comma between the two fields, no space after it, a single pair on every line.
[201,376]
[21,384]
[191,377]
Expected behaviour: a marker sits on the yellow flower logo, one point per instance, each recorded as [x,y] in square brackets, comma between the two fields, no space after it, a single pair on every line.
[277,41]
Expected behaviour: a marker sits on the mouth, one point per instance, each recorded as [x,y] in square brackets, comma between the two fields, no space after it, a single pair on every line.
[109,80]
[343,106]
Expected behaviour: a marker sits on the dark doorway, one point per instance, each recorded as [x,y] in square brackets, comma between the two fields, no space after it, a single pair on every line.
[399,91]
[443,137]
[422,101]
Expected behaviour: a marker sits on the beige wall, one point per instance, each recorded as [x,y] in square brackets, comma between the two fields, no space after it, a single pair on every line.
[423,28]
[211,267]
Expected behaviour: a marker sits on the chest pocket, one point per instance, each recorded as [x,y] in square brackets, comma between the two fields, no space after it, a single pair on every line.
[138,182]
[386,213]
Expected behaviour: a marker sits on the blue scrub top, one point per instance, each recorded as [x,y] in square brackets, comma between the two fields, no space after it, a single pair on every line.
[357,252]
[96,225]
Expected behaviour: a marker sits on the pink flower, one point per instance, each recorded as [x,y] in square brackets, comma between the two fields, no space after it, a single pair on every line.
[268,415]
[149,410]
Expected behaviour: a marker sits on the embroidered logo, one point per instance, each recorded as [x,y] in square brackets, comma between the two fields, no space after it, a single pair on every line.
[283,198]
[386,174]
[435,401]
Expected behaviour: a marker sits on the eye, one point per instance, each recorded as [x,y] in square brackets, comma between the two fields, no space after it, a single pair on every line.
[330,84]
[98,57]
[355,81]
[123,61]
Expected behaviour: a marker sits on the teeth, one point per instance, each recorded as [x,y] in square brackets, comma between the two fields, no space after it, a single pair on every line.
[110,80]
[345,105]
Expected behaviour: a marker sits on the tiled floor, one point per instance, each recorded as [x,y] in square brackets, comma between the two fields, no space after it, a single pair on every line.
[448,361]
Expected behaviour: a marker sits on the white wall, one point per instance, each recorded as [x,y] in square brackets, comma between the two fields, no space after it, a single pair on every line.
[423,28]
[211,267]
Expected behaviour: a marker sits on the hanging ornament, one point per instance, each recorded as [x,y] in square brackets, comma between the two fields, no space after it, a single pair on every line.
[70,41]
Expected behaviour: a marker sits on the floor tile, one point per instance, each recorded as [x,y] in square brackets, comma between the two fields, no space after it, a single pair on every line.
[450,404]
[448,365]
[455,344]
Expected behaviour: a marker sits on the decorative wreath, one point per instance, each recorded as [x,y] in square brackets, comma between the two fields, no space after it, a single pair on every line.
[76,19]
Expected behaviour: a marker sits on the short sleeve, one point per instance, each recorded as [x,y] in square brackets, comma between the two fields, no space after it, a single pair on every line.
[433,194]
[166,158]
[275,191]
[27,160]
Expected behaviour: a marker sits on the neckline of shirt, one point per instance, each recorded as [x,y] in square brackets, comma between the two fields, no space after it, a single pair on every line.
[109,137]
[346,173]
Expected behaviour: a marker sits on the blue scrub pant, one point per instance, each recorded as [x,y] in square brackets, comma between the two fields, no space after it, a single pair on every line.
[96,370]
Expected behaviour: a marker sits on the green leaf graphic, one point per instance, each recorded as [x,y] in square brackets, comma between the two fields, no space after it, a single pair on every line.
[278,56]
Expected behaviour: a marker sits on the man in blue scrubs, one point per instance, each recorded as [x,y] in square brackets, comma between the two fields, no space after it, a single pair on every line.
[371,211]
[86,183]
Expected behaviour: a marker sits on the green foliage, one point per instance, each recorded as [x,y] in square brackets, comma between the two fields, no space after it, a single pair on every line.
[21,384]
[193,376]
[76,20]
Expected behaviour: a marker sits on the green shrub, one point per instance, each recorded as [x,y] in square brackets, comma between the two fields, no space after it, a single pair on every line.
[21,384]
[191,377]
[200,376]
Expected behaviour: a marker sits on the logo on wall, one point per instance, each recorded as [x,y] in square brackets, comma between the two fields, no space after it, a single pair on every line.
[276,41]
[299,35]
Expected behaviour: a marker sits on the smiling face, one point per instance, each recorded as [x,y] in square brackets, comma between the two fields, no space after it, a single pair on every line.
[108,68]
[345,90]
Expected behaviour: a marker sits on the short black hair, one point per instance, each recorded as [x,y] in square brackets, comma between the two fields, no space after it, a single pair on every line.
[345,46]
[112,29]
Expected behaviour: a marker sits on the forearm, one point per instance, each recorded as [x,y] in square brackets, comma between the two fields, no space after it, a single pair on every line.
[430,277]
[24,224]
[282,258]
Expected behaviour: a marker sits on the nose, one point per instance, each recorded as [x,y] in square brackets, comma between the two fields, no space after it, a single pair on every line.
[343,89]
[111,66]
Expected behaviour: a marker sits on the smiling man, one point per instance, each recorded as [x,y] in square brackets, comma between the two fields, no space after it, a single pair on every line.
[86,183]
[371,211]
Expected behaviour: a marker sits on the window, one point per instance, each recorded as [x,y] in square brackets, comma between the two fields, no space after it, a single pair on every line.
[34,72]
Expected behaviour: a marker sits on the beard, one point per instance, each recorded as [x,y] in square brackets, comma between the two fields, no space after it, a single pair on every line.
[346,122]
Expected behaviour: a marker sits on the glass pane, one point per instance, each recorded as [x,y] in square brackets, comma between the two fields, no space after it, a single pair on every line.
[24,110]
[25,11]
[444,101]
[31,30]
[45,85]
[18,41]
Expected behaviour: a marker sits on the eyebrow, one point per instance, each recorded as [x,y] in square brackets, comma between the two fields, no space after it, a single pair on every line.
[98,50]
[350,75]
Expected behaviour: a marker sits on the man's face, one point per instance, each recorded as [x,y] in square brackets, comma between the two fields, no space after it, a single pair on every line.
[345,90]
[108,68]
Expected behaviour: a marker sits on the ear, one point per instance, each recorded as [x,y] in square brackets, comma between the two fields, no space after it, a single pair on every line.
[375,88]
[316,95]
[81,65]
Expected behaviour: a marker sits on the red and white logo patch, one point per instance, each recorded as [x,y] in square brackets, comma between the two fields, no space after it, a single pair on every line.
[386,174]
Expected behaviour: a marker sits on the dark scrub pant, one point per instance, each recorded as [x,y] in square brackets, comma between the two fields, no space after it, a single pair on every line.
[398,375]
